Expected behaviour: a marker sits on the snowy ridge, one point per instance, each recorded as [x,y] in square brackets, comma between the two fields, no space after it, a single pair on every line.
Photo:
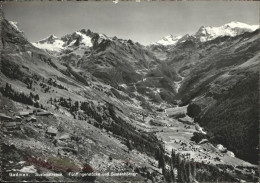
[103,37]
[55,44]
[209,33]
[15,26]
[168,40]
[51,43]
[242,25]
[86,40]
[231,29]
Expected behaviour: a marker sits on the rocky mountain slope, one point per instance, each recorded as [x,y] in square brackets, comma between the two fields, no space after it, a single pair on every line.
[88,104]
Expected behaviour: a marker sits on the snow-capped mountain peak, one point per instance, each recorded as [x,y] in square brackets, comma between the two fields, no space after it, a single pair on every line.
[168,40]
[231,29]
[51,39]
[53,43]
[85,40]
[242,25]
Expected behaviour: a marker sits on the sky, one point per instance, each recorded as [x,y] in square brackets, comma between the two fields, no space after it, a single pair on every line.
[143,22]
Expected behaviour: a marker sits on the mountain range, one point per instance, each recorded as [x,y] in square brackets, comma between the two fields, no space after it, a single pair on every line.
[209,33]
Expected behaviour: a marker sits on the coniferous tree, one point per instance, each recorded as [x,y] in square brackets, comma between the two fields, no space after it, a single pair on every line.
[177,160]
[180,169]
[160,158]
[163,165]
[129,145]
[173,158]
[172,175]
[51,100]
[76,106]
[36,97]
[193,170]
[184,171]
[187,171]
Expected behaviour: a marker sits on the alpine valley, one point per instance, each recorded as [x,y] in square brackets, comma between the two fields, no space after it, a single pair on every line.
[86,107]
